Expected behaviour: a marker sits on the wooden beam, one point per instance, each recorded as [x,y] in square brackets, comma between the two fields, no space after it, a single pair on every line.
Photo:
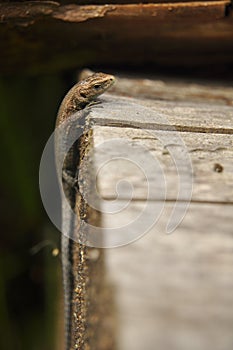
[44,36]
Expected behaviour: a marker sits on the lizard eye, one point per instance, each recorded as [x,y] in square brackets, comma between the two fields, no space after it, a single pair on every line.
[83,95]
[97,86]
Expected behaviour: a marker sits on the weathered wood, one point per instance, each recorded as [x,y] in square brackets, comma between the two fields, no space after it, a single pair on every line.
[178,284]
[160,115]
[175,292]
[173,89]
[204,150]
[171,291]
[79,13]
[117,2]
[161,12]
[181,34]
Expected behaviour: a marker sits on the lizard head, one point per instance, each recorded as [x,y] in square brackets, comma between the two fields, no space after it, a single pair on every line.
[94,86]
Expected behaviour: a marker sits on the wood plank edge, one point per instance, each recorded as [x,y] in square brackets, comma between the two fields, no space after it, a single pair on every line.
[38,10]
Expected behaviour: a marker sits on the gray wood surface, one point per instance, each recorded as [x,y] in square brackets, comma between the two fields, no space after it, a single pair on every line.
[174,292]
[202,152]
[159,115]
[171,292]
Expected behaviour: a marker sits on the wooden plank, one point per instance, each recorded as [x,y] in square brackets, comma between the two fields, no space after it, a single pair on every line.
[168,89]
[175,291]
[166,131]
[79,13]
[126,2]
[168,291]
[164,115]
[191,33]
[166,164]
[161,12]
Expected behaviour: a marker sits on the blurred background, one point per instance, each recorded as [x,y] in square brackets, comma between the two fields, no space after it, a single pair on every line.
[30,273]
[40,57]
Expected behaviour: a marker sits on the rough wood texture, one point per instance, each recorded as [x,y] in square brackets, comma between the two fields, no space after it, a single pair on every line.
[92,320]
[161,115]
[173,90]
[100,2]
[183,34]
[170,291]
[175,292]
[204,150]
[30,11]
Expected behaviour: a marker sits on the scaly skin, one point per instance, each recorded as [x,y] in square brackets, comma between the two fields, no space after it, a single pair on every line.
[78,97]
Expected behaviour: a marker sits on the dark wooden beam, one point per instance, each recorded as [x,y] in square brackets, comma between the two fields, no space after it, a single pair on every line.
[45,36]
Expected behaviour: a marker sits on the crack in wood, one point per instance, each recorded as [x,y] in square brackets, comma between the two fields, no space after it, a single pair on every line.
[154,126]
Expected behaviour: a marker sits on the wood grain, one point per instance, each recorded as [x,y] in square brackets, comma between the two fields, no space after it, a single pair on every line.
[169,291]
[174,291]
[184,34]
[204,150]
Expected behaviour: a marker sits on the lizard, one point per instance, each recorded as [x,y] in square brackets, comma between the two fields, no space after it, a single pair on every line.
[76,100]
